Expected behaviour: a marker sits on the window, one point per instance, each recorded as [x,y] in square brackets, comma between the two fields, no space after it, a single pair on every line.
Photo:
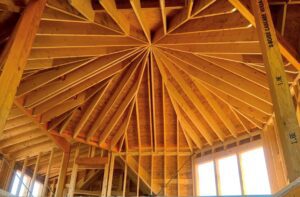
[229,176]
[240,173]
[37,187]
[206,174]
[255,174]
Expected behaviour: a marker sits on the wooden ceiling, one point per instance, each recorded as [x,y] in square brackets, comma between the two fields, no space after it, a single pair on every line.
[130,75]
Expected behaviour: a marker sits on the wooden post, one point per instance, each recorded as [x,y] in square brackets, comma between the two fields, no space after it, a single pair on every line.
[53,184]
[111,173]
[15,54]
[72,184]
[62,174]
[105,177]
[125,177]
[47,174]
[11,169]
[32,181]
[22,176]
[286,119]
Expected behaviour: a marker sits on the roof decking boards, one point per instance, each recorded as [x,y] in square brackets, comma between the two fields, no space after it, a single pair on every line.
[135,76]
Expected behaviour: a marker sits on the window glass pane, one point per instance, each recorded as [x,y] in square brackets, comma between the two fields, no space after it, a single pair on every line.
[15,183]
[229,180]
[26,181]
[206,181]
[255,176]
[37,189]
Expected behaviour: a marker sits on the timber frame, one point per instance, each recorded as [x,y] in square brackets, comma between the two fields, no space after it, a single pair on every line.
[118,97]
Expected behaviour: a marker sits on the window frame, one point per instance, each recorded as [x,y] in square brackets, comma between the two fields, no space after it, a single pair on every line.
[214,155]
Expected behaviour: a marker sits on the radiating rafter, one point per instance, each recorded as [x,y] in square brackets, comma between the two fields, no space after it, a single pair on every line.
[116,95]
[124,126]
[86,9]
[95,101]
[111,9]
[47,76]
[188,128]
[94,67]
[136,6]
[260,97]
[285,51]
[162,4]
[187,88]
[182,102]
[125,103]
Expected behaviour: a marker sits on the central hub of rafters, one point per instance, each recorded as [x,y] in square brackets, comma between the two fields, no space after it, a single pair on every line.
[147,77]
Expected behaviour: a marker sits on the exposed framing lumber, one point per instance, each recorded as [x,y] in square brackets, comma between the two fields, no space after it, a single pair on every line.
[9,5]
[34,175]
[123,128]
[15,54]
[136,5]
[72,184]
[162,4]
[105,177]
[126,101]
[111,9]
[152,101]
[115,96]
[59,141]
[125,177]
[62,174]
[86,9]
[9,174]
[95,101]
[91,162]
[99,66]
[46,181]
[187,89]
[22,176]
[110,175]
[289,55]
[182,102]
[218,82]
[287,124]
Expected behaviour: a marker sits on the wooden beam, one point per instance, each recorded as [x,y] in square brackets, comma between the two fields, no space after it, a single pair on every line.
[8,5]
[174,94]
[95,67]
[136,5]
[286,52]
[72,183]
[33,178]
[162,4]
[22,176]
[9,174]
[62,174]
[125,177]
[59,141]
[92,161]
[105,177]
[179,19]
[86,9]
[126,101]
[285,115]
[125,79]
[216,79]
[110,175]
[15,54]
[190,92]
[46,181]
[124,126]
[111,8]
